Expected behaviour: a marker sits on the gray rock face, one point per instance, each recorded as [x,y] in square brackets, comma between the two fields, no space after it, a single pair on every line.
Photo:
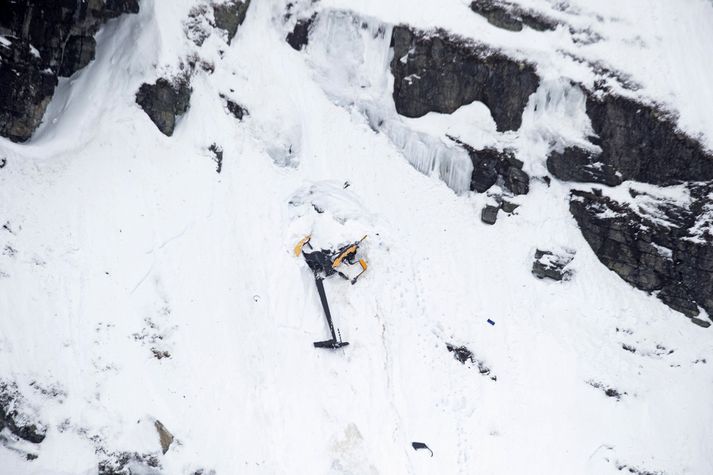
[576,164]
[230,15]
[435,72]
[164,101]
[675,259]
[638,143]
[511,17]
[47,40]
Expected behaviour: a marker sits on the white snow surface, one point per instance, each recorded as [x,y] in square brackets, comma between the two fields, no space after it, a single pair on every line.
[119,241]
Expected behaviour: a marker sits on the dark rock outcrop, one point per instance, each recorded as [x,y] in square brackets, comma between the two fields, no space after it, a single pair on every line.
[576,164]
[165,101]
[638,142]
[128,463]
[511,17]
[26,91]
[489,215]
[299,36]
[549,265]
[665,252]
[17,416]
[436,72]
[230,15]
[46,40]
[490,164]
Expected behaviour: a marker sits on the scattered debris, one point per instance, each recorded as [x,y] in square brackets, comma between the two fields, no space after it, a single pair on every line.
[549,265]
[217,156]
[165,437]
[128,463]
[466,357]
[421,445]
[3,162]
[635,470]
[609,392]
[159,354]
[234,108]
[628,348]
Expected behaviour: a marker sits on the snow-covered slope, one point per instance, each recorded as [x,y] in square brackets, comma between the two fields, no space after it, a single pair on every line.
[137,284]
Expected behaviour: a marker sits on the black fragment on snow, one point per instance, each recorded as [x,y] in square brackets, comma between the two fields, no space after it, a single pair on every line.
[421,446]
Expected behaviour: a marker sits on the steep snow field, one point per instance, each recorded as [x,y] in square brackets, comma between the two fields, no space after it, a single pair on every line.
[120,241]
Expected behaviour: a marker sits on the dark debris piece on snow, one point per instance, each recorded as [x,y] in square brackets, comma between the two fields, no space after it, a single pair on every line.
[421,445]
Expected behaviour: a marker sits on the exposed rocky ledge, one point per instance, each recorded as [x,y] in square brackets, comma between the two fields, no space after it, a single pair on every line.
[299,36]
[43,41]
[437,72]
[669,249]
[230,15]
[638,142]
[511,17]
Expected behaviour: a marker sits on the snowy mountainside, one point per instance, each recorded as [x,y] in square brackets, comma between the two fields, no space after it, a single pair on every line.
[147,277]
